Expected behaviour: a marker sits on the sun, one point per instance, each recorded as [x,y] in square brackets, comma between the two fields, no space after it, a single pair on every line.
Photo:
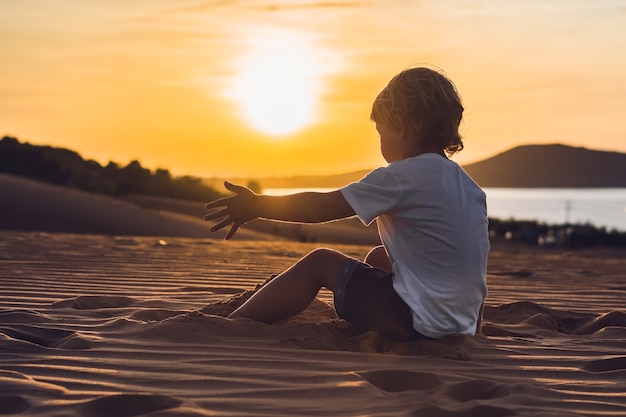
[277,82]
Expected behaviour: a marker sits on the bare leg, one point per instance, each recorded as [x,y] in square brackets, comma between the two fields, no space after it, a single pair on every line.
[378,258]
[293,290]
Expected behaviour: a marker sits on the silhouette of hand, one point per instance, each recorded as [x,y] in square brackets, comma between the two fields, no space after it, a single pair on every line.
[237,209]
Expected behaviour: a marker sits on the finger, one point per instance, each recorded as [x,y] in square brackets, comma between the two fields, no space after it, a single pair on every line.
[216,203]
[232,230]
[234,188]
[220,225]
[216,214]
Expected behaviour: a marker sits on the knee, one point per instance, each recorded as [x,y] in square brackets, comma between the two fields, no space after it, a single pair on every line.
[378,258]
[324,265]
[324,256]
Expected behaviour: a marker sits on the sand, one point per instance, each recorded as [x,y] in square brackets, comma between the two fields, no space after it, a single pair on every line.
[30,205]
[125,325]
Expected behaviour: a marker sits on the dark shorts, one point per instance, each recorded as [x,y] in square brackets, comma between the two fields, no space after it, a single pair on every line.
[365,297]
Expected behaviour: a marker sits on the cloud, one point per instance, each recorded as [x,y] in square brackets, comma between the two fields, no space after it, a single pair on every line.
[311,5]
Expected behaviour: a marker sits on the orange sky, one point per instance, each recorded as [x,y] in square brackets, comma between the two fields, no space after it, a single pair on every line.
[279,88]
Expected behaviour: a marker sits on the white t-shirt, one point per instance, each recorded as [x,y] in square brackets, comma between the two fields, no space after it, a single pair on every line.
[432,219]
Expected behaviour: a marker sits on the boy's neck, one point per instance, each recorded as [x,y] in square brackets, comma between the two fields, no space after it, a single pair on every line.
[420,150]
[418,146]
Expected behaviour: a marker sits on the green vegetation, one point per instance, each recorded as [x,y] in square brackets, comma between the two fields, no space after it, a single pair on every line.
[65,167]
[565,235]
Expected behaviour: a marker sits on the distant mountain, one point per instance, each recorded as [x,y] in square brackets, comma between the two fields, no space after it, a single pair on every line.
[551,166]
[531,166]
[304,181]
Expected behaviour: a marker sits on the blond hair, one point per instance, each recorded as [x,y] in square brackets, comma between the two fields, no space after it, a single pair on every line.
[426,99]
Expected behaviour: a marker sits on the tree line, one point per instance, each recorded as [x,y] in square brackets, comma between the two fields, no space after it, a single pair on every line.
[66,167]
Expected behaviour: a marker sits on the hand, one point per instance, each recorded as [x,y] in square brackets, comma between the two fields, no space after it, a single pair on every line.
[238,209]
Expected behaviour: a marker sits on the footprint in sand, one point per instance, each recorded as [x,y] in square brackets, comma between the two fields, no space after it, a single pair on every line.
[480,410]
[467,397]
[127,405]
[477,389]
[13,404]
[46,337]
[606,365]
[397,380]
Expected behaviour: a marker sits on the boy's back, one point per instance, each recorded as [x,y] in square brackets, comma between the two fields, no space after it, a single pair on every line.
[432,220]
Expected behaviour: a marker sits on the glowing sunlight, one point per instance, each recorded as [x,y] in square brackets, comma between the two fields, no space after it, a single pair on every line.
[277,82]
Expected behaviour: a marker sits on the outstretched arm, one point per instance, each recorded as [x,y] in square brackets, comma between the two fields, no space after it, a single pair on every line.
[308,207]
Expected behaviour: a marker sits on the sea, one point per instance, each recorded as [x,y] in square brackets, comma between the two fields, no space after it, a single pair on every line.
[600,207]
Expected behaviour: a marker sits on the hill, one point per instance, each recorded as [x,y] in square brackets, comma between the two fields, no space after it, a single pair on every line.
[551,166]
[530,166]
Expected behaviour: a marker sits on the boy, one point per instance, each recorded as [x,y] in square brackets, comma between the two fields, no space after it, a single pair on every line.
[428,278]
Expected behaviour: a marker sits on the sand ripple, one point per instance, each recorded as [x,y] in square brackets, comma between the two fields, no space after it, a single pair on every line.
[105,326]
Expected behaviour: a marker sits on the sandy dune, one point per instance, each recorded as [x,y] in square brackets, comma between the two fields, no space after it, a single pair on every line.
[97,325]
[30,205]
